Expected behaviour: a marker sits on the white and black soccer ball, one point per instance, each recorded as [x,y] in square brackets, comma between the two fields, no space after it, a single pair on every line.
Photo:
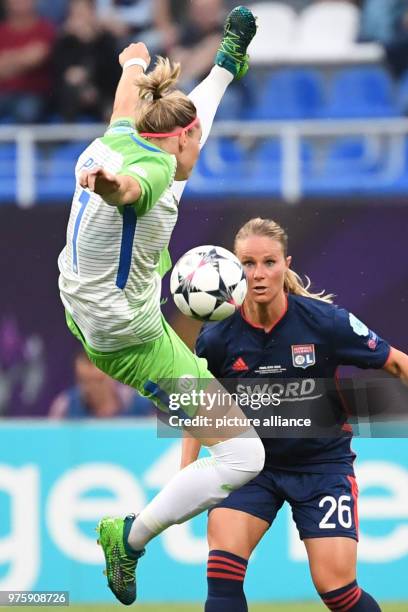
[208,283]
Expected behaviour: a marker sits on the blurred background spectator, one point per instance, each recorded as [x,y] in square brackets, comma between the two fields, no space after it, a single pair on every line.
[379,20]
[85,64]
[199,38]
[396,46]
[26,41]
[130,20]
[298,5]
[56,10]
[97,395]
[314,33]
[22,368]
[169,20]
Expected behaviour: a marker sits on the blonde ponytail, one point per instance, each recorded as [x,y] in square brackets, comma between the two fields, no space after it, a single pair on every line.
[157,84]
[163,107]
[293,283]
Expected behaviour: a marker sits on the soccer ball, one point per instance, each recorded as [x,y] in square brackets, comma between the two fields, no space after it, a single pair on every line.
[208,283]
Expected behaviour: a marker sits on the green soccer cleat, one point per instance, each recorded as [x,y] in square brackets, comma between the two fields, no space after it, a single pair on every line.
[120,559]
[239,30]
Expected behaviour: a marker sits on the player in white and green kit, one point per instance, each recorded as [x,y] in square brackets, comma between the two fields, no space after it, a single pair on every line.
[128,184]
[112,265]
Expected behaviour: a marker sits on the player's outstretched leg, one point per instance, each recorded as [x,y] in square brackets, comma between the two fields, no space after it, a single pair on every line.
[120,559]
[231,62]
[239,30]
[202,484]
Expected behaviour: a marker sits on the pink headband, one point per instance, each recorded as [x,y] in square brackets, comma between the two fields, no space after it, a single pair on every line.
[170,134]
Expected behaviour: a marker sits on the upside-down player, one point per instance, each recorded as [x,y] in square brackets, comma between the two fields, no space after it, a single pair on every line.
[123,213]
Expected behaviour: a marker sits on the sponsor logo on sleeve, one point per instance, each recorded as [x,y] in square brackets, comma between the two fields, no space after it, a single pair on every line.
[358,326]
[303,355]
[372,341]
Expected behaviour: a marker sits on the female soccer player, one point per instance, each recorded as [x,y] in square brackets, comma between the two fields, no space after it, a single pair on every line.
[286,332]
[123,213]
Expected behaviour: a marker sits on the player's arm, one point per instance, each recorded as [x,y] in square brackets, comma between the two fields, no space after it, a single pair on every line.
[397,365]
[114,189]
[190,450]
[126,97]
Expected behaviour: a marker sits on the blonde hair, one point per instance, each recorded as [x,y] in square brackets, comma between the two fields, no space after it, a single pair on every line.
[163,107]
[270,229]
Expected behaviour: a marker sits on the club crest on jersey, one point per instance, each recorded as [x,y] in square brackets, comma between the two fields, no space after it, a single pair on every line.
[303,355]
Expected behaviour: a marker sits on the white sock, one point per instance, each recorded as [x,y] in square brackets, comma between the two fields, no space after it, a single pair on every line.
[200,485]
[206,97]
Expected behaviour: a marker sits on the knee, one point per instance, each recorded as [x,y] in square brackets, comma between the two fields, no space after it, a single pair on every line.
[327,580]
[255,455]
[242,457]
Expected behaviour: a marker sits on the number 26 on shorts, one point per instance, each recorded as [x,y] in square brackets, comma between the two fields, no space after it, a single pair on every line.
[336,508]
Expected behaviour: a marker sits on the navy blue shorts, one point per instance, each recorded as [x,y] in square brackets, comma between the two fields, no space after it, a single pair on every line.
[323,505]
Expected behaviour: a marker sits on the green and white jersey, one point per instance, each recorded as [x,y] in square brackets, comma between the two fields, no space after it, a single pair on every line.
[111,266]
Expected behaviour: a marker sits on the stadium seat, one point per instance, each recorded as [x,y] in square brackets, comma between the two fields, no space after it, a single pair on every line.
[221,168]
[362,92]
[399,184]
[7,171]
[220,157]
[69,152]
[232,104]
[356,166]
[55,177]
[271,151]
[354,155]
[267,165]
[8,152]
[290,94]
[276,32]
[402,94]
[327,30]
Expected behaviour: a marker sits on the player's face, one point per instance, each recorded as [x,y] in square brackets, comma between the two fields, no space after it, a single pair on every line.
[265,265]
[188,152]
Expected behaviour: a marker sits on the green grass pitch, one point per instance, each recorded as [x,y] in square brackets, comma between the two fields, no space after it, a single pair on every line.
[266,607]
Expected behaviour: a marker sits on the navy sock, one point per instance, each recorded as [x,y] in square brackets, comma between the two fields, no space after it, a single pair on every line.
[225,578]
[350,598]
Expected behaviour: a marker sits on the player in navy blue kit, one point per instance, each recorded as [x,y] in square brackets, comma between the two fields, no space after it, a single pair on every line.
[285,332]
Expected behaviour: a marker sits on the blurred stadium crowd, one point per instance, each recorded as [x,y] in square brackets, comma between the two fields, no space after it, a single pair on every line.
[315,60]
[58,60]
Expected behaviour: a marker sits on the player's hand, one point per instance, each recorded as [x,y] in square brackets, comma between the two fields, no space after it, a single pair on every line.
[100,181]
[134,50]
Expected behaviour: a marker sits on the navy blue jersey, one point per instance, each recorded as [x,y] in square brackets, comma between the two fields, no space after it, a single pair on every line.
[308,343]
